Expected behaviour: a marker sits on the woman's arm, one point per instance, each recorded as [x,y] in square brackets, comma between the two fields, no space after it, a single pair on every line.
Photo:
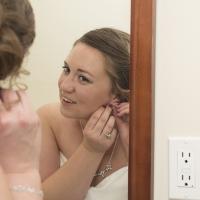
[20,138]
[7,181]
[4,188]
[74,178]
[50,153]
[25,186]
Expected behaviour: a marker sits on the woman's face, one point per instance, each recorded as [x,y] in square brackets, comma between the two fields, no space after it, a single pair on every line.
[84,85]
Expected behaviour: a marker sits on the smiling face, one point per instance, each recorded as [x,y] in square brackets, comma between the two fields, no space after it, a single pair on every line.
[84,84]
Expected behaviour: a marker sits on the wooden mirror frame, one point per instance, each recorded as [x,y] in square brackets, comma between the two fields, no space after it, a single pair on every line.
[141,101]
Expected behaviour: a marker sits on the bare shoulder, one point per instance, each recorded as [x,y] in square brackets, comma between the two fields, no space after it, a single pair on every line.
[52,115]
[50,155]
[49,110]
[65,131]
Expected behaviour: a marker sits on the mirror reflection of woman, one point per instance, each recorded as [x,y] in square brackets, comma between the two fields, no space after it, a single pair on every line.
[90,124]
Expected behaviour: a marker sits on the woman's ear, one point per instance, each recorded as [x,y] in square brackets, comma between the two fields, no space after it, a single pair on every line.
[113,97]
[114,100]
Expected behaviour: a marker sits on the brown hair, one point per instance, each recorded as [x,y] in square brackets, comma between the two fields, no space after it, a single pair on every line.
[115,46]
[17,32]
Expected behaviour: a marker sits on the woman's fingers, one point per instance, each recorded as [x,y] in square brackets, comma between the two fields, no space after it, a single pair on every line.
[123,112]
[108,128]
[99,132]
[122,109]
[25,101]
[122,106]
[109,137]
[102,120]
[10,98]
[2,107]
[114,102]
[94,118]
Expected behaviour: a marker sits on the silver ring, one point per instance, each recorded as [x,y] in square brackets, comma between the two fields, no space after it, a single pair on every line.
[108,135]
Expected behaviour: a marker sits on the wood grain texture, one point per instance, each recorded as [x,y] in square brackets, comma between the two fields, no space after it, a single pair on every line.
[141,101]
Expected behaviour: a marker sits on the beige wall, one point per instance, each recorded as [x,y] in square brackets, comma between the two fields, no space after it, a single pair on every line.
[58,25]
[177,100]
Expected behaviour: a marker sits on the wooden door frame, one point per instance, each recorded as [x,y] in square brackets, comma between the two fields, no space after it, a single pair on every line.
[141,101]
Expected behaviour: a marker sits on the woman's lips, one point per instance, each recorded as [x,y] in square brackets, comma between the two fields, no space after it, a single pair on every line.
[67,100]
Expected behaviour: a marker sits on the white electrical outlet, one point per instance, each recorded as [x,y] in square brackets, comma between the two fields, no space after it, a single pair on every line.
[185,158]
[185,179]
[184,165]
[185,168]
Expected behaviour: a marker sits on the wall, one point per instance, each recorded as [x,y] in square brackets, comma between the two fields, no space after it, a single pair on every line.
[58,25]
[177,96]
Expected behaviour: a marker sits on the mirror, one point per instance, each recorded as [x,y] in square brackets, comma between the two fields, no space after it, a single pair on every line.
[55,36]
[58,25]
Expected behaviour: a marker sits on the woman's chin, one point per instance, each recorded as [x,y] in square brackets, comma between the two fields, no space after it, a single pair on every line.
[73,114]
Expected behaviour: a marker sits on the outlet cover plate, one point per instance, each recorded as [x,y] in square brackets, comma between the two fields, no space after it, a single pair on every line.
[177,145]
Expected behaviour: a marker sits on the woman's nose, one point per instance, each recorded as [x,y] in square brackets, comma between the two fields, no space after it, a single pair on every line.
[68,84]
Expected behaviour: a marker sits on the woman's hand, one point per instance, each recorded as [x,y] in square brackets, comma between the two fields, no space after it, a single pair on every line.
[99,132]
[121,113]
[20,133]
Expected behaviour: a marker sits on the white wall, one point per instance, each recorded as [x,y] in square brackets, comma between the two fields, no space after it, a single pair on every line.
[58,25]
[177,100]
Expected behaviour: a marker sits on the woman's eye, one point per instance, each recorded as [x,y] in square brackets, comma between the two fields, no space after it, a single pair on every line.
[84,79]
[66,69]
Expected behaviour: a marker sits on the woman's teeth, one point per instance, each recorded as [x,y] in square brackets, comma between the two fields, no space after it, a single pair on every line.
[68,100]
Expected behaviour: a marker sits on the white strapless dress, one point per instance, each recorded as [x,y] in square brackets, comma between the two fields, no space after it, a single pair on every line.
[113,187]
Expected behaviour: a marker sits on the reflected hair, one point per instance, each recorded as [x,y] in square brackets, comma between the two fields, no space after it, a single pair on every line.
[114,44]
[17,33]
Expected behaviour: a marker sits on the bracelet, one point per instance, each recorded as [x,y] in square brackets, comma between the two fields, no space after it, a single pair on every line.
[28,189]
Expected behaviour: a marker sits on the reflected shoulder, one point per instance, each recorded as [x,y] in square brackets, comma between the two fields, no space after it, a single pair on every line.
[49,109]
